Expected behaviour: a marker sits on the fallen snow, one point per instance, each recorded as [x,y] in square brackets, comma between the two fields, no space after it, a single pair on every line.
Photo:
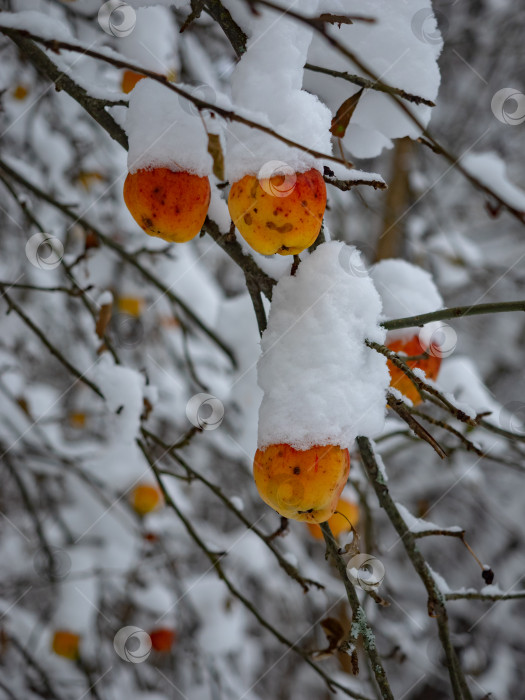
[401,47]
[322,385]
[153,42]
[440,581]
[170,136]
[405,290]
[490,169]
[105,299]
[268,82]
[380,465]
[420,525]
[122,388]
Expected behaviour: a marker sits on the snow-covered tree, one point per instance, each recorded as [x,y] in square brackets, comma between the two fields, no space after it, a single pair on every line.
[261,362]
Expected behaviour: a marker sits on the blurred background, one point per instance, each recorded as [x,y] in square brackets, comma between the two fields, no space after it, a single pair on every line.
[90,305]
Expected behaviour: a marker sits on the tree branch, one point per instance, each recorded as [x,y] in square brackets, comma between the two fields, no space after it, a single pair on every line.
[436,604]
[454,312]
[360,627]
[371,84]
[129,257]
[94,106]
[214,560]
[52,349]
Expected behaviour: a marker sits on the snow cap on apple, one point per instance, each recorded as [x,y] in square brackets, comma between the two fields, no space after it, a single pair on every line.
[267,87]
[322,385]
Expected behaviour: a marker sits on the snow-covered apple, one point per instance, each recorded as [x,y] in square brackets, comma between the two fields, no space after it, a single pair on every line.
[408,290]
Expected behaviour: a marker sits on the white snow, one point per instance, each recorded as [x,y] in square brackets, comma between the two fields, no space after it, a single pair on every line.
[122,388]
[405,290]
[236,322]
[321,384]
[401,48]
[168,135]
[420,525]
[152,43]
[237,503]
[37,23]
[218,210]
[77,606]
[341,172]
[380,465]
[490,169]
[105,299]
[268,82]
[440,581]
[460,378]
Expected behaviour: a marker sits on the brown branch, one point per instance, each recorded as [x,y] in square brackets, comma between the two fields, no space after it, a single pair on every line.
[222,16]
[404,413]
[94,106]
[436,603]
[426,390]
[483,596]
[129,257]
[231,246]
[52,349]
[360,627]
[77,290]
[172,451]
[200,104]
[438,148]
[454,312]
[258,307]
[346,185]
[371,84]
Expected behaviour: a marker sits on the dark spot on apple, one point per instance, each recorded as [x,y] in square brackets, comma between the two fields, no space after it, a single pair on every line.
[247,219]
[282,229]
[297,470]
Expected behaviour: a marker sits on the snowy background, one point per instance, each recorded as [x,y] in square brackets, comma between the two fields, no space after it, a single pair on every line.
[124,360]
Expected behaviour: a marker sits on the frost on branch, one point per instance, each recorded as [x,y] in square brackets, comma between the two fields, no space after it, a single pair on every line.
[322,385]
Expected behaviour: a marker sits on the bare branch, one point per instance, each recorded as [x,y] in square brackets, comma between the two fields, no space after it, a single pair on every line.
[454,312]
[436,605]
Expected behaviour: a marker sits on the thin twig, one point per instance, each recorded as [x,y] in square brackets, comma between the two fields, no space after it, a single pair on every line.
[360,627]
[214,560]
[454,312]
[52,349]
[371,84]
[129,257]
